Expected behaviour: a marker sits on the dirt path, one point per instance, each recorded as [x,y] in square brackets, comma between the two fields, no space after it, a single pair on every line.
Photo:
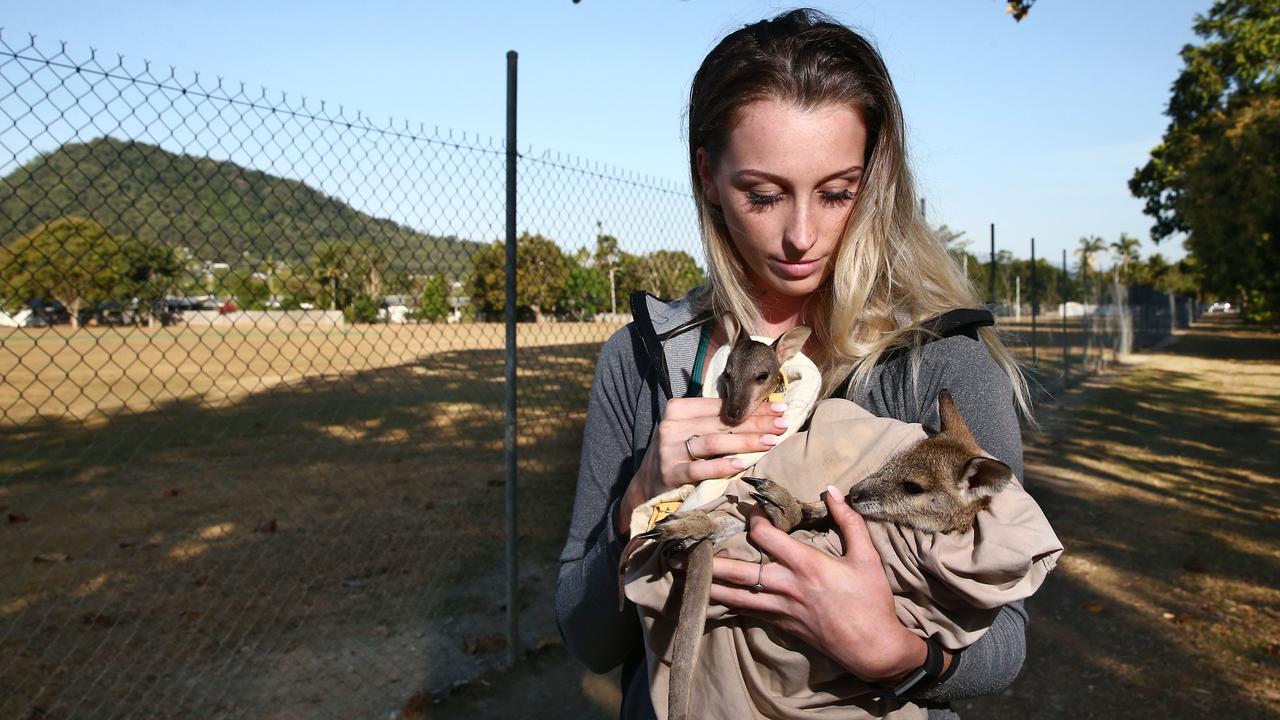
[1163,481]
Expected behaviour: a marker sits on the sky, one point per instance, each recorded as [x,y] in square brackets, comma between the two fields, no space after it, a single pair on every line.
[1033,126]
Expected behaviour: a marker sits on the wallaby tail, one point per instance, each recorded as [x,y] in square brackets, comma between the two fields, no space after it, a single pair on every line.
[688,636]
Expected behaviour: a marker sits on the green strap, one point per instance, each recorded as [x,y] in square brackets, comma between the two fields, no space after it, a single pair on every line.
[695,380]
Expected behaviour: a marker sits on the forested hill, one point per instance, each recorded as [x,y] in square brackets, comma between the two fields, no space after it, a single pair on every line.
[219,210]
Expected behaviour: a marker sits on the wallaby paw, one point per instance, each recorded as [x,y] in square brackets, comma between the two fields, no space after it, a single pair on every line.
[777,502]
[680,531]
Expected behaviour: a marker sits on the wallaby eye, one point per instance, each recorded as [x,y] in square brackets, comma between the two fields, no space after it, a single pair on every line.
[911,488]
[762,378]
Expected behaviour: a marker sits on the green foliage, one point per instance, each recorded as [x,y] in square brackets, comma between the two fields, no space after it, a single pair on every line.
[220,210]
[585,293]
[1216,173]
[361,309]
[665,273]
[249,291]
[434,305]
[72,260]
[541,272]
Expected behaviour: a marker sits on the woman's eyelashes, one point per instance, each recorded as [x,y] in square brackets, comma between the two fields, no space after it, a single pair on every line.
[829,197]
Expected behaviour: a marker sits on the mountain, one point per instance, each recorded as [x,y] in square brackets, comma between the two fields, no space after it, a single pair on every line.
[219,210]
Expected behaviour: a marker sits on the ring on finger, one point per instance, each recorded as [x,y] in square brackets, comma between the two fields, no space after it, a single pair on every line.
[759,586]
[687,449]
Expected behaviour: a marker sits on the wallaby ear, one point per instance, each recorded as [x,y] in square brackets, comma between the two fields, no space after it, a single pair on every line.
[983,477]
[732,328]
[949,418]
[790,342]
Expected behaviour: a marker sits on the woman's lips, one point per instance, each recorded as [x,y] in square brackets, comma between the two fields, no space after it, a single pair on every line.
[797,270]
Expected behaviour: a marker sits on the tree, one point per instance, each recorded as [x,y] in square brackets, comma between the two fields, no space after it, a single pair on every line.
[1126,255]
[73,260]
[1216,173]
[434,305]
[150,270]
[1089,247]
[541,272]
[585,293]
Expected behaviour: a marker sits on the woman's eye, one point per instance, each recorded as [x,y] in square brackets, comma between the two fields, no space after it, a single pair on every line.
[762,200]
[837,197]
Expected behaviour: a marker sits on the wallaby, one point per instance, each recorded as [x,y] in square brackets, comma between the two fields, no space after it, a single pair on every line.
[938,485]
[751,373]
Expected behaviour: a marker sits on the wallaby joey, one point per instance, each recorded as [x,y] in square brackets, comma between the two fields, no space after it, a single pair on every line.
[752,372]
[938,485]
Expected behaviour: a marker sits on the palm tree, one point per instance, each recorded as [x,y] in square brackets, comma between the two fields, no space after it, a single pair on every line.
[1126,252]
[1089,246]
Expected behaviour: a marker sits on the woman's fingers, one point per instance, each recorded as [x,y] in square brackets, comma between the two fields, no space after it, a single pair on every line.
[707,469]
[706,446]
[853,529]
[741,598]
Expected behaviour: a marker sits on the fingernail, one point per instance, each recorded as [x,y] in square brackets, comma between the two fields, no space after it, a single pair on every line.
[770,439]
[738,463]
[833,491]
[781,423]
[778,407]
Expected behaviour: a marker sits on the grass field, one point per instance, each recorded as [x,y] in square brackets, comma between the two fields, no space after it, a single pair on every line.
[205,524]
[218,521]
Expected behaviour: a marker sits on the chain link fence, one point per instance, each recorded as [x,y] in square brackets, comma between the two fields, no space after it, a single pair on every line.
[251,416]
[251,420]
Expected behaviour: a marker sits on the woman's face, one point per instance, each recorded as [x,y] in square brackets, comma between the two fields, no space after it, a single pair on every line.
[786,182]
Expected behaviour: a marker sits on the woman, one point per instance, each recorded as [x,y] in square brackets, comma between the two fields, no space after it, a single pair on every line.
[798,162]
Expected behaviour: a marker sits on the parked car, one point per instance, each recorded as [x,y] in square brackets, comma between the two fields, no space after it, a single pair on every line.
[1220,307]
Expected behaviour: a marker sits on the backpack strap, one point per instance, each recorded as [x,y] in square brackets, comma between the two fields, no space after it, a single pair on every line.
[961,321]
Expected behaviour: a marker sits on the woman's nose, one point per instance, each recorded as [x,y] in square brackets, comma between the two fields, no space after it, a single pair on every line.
[800,233]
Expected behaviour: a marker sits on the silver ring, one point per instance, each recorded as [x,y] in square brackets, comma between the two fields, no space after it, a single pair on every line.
[686,447]
[759,586]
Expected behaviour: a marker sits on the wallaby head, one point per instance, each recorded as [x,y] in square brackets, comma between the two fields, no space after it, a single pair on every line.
[751,371]
[939,484]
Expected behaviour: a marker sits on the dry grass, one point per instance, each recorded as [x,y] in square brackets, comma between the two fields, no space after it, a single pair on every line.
[309,522]
[1164,484]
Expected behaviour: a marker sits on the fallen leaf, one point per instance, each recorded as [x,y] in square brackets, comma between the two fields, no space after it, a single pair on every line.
[1194,564]
[18,518]
[52,557]
[171,492]
[267,527]
[203,581]
[484,644]
[1094,607]
[428,504]
[1273,649]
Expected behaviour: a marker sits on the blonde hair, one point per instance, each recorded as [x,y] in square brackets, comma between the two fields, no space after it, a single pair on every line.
[891,271]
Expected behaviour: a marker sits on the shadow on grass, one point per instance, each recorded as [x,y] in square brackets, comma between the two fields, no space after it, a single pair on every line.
[1163,488]
[327,544]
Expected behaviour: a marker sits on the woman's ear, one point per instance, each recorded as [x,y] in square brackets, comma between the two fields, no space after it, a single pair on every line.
[709,189]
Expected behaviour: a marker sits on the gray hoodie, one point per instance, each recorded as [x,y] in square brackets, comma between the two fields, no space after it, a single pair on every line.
[646,363]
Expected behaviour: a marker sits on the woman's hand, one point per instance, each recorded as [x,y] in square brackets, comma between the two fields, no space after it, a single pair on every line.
[841,606]
[668,463]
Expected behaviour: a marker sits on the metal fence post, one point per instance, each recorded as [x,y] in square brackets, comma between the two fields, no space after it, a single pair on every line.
[509,439]
[1035,303]
[1062,290]
[991,278]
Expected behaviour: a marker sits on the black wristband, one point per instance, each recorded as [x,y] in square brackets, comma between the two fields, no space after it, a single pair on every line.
[931,670]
